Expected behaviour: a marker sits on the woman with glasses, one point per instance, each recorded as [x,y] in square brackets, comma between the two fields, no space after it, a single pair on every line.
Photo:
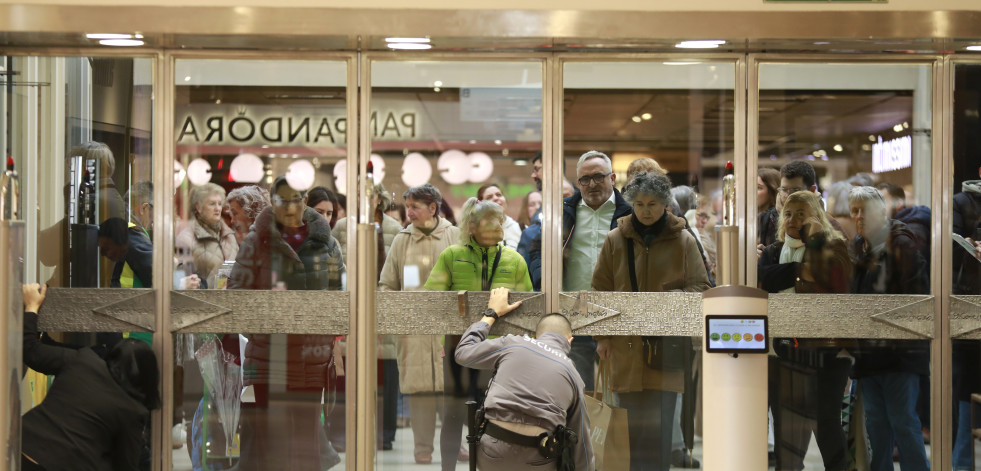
[207,240]
[290,247]
[650,250]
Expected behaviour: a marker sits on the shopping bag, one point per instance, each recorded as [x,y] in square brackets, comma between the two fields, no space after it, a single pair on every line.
[609,434]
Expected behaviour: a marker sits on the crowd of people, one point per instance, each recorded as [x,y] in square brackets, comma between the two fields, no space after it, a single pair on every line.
[859,236]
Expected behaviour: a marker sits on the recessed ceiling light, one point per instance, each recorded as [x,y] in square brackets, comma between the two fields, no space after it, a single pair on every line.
[417,46]
[406,40]
[976,47]
[520,163]
[821,43]
[187,78]
[121,42]
[636,119]
[438,83]
[706,44]
[646,116]
[108,36]
[838,148]
[679,63]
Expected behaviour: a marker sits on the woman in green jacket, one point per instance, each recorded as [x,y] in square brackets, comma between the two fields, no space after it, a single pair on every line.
[479,262]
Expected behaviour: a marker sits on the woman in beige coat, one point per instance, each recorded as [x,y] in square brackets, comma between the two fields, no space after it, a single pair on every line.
[207,240]
[414,251]
[665,257]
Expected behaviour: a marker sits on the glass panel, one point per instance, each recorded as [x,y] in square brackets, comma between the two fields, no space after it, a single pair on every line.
[77,131]
[674,121]
[260,175]
[469,130]
[966,266]
[843,193]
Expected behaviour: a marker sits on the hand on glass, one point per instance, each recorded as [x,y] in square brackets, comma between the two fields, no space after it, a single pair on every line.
[499,302]
[34,296]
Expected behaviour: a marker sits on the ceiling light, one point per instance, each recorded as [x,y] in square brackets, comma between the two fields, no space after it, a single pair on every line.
[709,44]
[187,78]
[635,119]
[646,116]
[821,43]
[898,128]
[438,83]
[976,47]
[680,63]
[905,125]
[838,148]
[108,36]
[436,89]
[416,46]
[497,141]
[406,40]
[121,42]
[520,163]
[871,138]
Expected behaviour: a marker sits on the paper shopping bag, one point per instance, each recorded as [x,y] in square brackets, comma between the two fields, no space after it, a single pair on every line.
[608,427]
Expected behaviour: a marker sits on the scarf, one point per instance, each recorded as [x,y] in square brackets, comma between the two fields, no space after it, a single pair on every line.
[792,251]
[649,233]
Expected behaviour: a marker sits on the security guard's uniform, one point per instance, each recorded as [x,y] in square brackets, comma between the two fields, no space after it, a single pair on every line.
[535,390]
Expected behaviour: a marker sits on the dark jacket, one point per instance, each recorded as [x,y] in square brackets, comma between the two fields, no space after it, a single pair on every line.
[967,223]
[890,264]
[265,259]
[569,206]
[766,227]
[535,383]
[139,257]
[829,262]
[917,220]
[86,421]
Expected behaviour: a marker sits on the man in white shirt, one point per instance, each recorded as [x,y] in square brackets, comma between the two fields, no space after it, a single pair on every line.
[587,217]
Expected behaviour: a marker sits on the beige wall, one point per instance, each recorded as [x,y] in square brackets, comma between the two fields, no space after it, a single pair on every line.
[620,5]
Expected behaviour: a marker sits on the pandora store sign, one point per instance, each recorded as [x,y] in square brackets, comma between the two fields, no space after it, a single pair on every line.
[281,126]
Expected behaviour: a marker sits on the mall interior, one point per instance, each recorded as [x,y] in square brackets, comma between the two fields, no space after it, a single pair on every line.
[199,127]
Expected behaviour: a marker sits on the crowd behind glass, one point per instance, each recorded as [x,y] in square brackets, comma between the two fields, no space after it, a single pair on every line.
[635,232]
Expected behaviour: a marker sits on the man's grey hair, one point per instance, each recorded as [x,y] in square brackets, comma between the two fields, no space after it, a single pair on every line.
[866,193]
[141,192]
[425,194]
[686,197]
[594,154]
[475,211]
[649,184]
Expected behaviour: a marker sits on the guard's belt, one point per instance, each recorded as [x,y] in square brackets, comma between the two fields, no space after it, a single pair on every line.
[514,438]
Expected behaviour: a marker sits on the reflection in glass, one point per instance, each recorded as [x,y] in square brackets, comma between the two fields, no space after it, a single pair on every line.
[444,133]
[843,191]
[966,264]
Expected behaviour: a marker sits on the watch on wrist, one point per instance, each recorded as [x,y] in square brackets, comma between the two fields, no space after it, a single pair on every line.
[490,312]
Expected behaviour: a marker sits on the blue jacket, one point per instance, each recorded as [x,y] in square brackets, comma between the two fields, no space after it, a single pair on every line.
[569,206]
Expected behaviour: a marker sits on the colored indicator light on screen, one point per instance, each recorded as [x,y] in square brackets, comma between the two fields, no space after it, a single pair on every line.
[759,337]
[737,337]
[726,337]
[715,337]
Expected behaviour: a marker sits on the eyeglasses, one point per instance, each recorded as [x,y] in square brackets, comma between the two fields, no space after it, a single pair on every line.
[279,201]
[596,178]
[789,191]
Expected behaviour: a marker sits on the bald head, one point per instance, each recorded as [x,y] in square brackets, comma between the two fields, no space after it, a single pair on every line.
[554,322]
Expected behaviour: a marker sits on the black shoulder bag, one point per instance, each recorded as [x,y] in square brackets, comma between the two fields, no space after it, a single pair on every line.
[660,353]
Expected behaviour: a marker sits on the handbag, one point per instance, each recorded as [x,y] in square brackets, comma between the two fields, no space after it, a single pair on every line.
[608,432]
[660,353]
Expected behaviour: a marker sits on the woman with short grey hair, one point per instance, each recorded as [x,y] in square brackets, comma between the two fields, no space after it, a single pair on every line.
[207,239]
[650,250]
[245,203]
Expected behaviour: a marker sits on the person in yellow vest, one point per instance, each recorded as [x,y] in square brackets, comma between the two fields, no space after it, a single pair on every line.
[130,247]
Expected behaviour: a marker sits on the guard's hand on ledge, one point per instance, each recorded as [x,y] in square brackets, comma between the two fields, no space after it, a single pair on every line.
[34,296]
[499,302]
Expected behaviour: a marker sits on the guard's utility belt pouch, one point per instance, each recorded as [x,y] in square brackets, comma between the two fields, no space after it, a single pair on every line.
[514,438]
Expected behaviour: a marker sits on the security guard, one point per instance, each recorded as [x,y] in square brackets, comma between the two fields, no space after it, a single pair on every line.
[534,413]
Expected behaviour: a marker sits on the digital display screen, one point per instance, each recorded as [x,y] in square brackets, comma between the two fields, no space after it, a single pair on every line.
[736,334]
